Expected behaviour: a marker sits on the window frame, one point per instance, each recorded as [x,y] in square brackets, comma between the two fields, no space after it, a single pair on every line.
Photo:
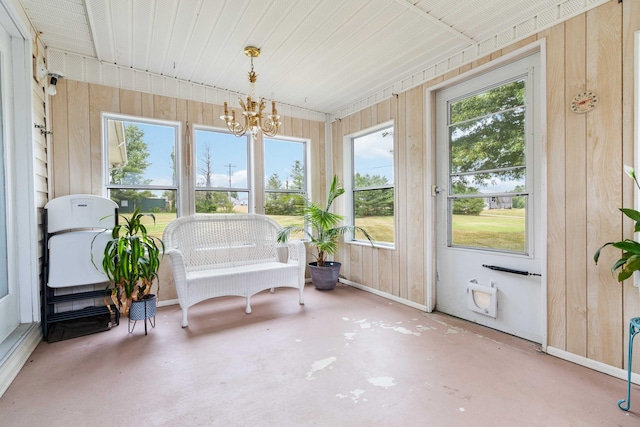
[178,187]
[306,187]
[350,190]
[494,83]
[250,167]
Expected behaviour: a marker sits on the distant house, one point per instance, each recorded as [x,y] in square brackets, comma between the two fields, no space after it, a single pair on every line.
[503,202]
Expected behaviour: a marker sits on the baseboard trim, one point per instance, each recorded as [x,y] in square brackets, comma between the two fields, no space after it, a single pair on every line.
[593,364]
[399,300]
[165,303]
[26,342]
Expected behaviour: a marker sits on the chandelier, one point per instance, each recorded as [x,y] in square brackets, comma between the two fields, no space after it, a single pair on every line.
[254,119]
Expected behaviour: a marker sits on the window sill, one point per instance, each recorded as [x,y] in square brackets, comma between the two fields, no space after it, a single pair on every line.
[377,245]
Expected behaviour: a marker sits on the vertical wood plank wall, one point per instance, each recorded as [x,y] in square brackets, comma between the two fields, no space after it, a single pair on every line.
[76,148]
[588,311]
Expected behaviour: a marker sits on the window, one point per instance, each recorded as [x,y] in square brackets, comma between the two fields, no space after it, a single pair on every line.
[373,185]
[222,172]
[489,194]
[285,180]
[141,169]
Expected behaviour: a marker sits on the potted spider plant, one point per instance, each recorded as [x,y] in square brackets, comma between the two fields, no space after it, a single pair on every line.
[131,262]
[323,233]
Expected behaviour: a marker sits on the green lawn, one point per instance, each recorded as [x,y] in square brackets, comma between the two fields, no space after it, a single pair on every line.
[162,219]
[498,228]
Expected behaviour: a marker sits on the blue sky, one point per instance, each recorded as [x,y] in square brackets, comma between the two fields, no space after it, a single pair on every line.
[373,154]
[159,140]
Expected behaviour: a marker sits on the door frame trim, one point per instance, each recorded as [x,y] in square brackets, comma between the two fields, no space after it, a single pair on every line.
[20,176]
[430,177]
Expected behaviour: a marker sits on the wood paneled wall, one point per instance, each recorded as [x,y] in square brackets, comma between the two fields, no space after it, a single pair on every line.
[588,311]
[76,148]
[76,143]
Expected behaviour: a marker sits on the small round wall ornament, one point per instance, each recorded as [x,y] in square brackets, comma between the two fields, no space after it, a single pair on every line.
[584,101]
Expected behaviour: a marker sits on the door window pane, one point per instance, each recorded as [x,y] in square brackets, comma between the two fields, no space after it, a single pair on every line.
[497,223]
[488,189]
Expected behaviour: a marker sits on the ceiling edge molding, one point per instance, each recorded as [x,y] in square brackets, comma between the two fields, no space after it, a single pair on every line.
[546,19]
[90,70]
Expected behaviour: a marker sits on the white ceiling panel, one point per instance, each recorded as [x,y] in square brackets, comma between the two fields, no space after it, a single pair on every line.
[99,17]
[121,12]
[142,31]
[161,35]
[328,56]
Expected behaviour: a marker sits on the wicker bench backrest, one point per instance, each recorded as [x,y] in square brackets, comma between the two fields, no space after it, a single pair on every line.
[223,240]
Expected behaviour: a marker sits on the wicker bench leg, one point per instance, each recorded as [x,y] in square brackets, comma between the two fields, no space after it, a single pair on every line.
[248,309]
[185,322]
[301,299]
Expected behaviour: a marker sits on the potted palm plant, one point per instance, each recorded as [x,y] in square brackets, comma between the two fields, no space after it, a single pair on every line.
[131,261]
[629,262]
[323,233]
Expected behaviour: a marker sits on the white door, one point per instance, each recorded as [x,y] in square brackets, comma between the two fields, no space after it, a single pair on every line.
[9,314]
[489,245]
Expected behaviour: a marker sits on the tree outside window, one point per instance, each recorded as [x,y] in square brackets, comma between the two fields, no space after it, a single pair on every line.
[487,136]
[141,169]
[222,184]
[285,180]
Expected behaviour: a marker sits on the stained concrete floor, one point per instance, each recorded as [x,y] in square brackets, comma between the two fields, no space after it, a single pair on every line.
[346,358]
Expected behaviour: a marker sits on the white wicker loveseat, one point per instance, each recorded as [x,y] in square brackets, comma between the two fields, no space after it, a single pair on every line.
[217,255]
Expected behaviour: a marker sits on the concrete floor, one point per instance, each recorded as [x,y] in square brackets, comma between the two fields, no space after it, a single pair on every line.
[346,358]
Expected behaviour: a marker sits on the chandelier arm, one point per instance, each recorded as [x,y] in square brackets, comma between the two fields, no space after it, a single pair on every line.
[241,130]
[270,133]
[238,131]
[270,127]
